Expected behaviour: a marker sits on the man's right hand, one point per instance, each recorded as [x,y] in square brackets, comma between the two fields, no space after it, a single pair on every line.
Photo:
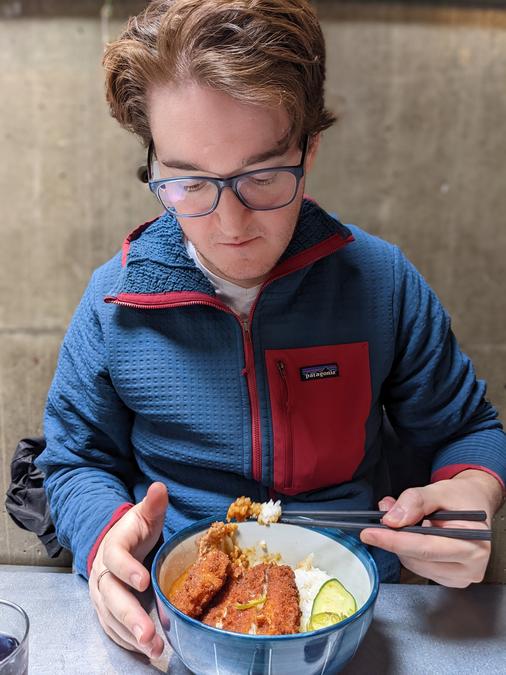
[122,552]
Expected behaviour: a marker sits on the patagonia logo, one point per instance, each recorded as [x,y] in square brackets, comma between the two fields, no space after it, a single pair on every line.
[319,372]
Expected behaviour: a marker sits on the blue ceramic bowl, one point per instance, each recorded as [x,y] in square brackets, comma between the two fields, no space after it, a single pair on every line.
[204,649]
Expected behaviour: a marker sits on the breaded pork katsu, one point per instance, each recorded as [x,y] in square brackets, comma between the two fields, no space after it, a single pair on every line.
[205,578]
[223,590]
[261,600]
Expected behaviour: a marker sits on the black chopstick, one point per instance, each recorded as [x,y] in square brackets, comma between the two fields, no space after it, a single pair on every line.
[452,533]
[475,516]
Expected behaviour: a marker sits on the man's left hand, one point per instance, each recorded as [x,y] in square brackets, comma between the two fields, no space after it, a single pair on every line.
[451,562]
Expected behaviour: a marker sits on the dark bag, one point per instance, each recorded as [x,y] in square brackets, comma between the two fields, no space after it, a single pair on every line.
[26,500]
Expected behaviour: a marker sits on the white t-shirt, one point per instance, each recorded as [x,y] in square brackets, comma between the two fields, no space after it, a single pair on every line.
[236,297]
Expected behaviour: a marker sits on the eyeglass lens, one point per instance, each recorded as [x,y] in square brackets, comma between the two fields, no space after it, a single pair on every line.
[266,190]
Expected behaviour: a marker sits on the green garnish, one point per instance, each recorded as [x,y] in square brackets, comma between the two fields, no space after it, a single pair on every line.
[323,620]
[333,603]
[251,603]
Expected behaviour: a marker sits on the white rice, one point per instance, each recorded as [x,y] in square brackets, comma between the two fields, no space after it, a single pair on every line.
[309,581]
[270,512]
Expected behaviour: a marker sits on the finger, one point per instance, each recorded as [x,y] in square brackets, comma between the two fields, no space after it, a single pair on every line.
[125,566]
[386,503]
[127,610]
[118,632]
[152,649]
[422,546]
[115,629]
[453,575]
[105,622]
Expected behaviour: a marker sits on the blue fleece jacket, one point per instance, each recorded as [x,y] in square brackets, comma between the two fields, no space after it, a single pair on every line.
[161,381]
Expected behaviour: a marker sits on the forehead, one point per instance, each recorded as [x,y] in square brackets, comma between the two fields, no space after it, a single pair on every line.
[210,128]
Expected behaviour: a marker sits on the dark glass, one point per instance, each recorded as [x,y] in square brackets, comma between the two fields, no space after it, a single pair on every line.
[8,644]
[14,630]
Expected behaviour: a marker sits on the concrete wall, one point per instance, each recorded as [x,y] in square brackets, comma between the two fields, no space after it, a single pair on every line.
[417,157]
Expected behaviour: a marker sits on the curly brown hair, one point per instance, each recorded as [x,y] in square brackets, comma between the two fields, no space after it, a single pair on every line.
[260,52]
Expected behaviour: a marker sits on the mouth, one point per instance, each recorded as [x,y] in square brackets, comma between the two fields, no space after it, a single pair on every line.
[239,244]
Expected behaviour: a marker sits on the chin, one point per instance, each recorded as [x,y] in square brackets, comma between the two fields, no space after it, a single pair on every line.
[242,271]
[247,280]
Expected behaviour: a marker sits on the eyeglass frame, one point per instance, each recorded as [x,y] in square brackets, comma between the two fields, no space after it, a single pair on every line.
[297,171]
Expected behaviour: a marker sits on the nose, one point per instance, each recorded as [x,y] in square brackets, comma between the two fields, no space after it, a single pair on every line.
[232,215]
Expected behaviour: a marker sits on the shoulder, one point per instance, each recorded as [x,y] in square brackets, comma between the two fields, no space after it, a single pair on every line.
[379,256]
[105,277]
[91,304]
[383,269]
[377,261]
[372,247]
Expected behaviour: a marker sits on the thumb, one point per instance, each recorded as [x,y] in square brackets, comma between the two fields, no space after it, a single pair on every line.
[154,505]
[151,514]
[410,507]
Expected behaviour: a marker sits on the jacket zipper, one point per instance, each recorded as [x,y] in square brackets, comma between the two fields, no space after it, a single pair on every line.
[165,305]
[256,446]
[249,370]
[288,425]
[252,386]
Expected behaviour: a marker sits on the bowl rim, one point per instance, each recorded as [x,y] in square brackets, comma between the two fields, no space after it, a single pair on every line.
[350,543]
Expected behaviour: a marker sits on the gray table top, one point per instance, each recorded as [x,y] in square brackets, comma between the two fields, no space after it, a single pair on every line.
[416,630]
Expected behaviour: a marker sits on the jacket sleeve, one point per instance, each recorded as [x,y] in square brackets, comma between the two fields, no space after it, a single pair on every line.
[432,396]
[88,462]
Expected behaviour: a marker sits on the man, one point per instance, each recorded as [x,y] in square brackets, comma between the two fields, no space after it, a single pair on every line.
[250,344]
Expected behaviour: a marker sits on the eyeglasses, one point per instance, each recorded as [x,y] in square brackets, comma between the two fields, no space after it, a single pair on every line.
[260,190]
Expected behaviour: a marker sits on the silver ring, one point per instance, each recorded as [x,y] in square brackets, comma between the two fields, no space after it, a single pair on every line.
[101,575]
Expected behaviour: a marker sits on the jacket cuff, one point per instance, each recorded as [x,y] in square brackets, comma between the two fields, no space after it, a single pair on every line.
[483,450]
[117,514]
[446,472]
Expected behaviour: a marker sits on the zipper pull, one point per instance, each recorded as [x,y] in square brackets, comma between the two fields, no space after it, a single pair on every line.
[281,369]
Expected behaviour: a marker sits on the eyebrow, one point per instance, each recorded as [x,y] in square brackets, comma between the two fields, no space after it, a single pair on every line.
[280,148]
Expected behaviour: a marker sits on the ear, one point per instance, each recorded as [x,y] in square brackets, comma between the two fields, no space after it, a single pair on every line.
[314,144]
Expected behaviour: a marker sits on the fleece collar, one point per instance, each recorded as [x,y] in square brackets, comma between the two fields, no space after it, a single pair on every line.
[155,260]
